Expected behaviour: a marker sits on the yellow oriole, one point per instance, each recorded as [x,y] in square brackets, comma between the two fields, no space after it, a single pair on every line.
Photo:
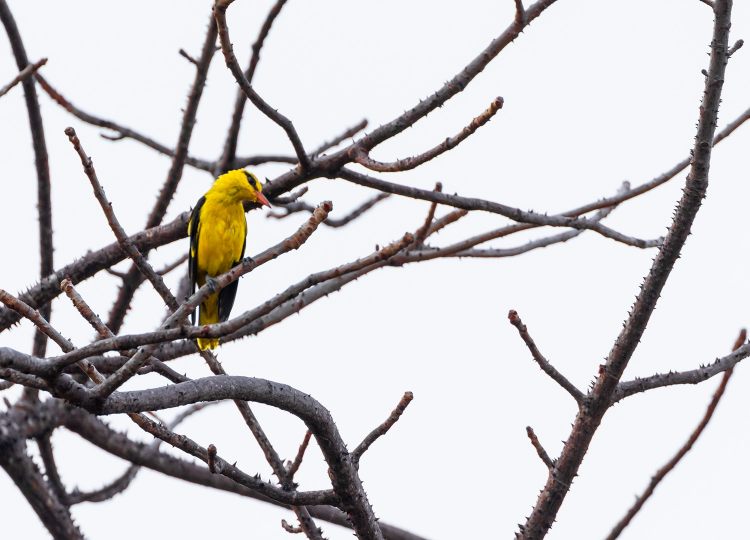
[218,230]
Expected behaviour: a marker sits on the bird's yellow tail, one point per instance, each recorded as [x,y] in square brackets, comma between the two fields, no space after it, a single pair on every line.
[209,314]
[204,344]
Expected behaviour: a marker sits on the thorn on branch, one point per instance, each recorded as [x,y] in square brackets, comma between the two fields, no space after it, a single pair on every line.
[539,448]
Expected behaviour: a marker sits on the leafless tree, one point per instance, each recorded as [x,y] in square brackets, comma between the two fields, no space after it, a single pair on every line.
[76,389]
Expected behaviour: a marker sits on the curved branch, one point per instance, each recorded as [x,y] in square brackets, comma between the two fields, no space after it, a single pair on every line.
[361,156]
[344,477]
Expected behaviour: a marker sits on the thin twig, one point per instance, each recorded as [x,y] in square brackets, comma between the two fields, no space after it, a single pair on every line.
[122,132]
[360,155]
[543,363]
[143,266]
[230,144]
[301,206]
[693,376]
[295,465]
[121,483]
[187,57]
[24,74]
[382,429]
[421,234]
[684,449]
[220,9]
[104,332]
[41,162]
[516,214]
[543,455]
[347,134]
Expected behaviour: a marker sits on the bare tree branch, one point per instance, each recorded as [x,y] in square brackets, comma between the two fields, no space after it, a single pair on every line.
[220,9]
[41,161]
[693,376]
[516,214]
[361,156]
[24,74]
[130,284]
[140,261]
[230,144]
[95,431]
[382,429]
[301,206]
[344,477]
[539,448]
[588,419]
[543,363]
[684,449]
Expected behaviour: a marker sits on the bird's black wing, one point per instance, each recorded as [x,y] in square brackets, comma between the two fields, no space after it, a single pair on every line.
[228,293]
[193,229]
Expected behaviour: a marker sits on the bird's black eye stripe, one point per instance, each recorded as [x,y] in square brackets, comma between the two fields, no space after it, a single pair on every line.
[253,181]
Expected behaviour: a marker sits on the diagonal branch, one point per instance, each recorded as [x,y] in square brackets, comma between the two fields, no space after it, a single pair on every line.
[543,363]
[291,243]
[24,74]
[220,10]
[130,283]
[140,261]
[588,419]
[361,156]
[684,449]
[301,206]
[382,429]
[230,144]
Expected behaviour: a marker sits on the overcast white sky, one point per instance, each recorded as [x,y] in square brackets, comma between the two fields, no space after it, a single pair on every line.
[596,92]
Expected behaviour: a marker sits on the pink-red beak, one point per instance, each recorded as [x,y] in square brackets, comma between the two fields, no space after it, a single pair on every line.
[262,199]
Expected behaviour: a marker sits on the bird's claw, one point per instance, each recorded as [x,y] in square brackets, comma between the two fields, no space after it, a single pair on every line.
[212,285]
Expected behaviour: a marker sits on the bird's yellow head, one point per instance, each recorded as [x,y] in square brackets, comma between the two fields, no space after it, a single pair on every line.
[239,185]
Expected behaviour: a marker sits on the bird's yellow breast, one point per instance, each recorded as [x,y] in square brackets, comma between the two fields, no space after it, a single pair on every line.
[221,236]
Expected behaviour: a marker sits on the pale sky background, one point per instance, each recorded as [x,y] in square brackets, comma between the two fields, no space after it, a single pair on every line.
[596,92]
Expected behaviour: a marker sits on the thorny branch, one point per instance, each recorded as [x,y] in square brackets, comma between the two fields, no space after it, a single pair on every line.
[600,397]
[684,449]
[147,351]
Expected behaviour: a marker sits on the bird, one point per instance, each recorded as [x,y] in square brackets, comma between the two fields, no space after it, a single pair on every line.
[218,231]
